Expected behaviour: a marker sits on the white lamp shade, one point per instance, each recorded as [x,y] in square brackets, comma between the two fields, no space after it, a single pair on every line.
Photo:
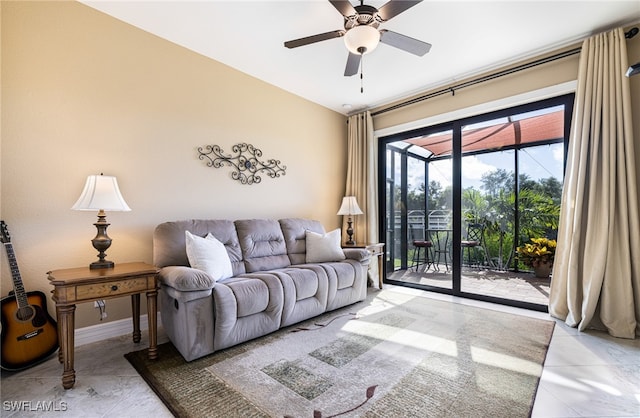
[101,192]
[349,206]
[362,39]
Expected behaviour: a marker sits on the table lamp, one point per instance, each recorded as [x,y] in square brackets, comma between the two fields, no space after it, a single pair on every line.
[101,193]
[349,207]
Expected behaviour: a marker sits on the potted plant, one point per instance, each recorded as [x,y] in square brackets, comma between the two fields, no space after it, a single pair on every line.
[539,254]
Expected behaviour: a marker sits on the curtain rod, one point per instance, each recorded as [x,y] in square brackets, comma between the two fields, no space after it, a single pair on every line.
[479,80]
[630,34]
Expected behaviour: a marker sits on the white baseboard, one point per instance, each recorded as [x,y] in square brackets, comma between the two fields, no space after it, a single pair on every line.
[95,333]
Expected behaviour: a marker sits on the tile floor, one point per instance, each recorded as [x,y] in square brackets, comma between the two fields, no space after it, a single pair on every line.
[586,374]
[520,286]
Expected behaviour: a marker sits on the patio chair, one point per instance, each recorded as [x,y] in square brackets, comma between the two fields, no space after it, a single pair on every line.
[472,242]
[418,245]
[441,246]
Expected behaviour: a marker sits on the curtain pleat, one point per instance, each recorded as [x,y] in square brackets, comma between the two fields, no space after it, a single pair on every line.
[362,181]
[596,276]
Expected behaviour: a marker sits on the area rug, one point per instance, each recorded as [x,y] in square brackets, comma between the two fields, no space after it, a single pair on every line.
[393,355]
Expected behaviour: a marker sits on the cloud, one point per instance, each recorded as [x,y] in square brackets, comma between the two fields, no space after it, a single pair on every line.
[537,162]
[441,171]
[473,169]
[558,154]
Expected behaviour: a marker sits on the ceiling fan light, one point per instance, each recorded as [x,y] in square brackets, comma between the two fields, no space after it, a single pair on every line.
[362,39]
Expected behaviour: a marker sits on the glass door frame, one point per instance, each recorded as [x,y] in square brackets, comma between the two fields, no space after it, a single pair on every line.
[456,127]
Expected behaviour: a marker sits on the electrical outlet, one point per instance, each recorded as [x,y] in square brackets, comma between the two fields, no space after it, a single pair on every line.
[102,305]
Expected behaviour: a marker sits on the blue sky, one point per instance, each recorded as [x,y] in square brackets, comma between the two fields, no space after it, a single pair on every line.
[538,162]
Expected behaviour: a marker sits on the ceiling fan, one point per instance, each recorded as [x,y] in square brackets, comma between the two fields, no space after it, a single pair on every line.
[361,33]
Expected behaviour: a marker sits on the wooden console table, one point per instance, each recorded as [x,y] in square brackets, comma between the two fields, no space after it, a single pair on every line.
[79,285]
[376,250]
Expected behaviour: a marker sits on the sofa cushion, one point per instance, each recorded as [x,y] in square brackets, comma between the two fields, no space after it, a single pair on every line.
[294,231]
[251,295]
[230,327]
[305,282]
[305,288]
[324,247]
[344,274]
[262,244]
[169,241]
[209,255]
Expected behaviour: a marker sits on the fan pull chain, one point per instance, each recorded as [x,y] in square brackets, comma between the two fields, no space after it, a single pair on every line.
[361,71]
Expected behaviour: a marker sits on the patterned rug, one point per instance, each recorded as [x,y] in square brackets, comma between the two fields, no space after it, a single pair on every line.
[392,355]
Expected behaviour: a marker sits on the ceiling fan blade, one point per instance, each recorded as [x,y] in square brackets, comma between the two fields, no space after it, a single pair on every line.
[353,63]
[344,7]
[404,42]
[314,38]
[394,8]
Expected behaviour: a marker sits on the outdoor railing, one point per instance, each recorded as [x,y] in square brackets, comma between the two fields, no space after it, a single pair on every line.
[441,219]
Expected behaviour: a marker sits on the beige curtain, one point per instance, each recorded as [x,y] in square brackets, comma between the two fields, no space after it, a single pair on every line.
[362,180]
[596,275]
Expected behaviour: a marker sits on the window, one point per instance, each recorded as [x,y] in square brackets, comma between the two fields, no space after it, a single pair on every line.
[500,172]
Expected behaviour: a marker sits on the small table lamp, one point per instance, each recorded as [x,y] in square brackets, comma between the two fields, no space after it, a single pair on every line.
[349,207]
[101,193]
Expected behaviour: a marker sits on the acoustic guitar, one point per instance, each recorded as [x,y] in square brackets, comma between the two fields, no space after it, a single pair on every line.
[29,334]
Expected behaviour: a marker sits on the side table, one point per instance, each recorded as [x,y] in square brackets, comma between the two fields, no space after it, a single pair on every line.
[82,284]
[376,250]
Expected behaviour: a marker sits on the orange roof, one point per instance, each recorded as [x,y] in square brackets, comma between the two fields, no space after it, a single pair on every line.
[533,129]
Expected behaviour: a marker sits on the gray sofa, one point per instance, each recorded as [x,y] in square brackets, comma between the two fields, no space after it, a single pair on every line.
[272,286]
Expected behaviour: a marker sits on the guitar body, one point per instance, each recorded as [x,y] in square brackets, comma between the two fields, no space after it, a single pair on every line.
[29,333]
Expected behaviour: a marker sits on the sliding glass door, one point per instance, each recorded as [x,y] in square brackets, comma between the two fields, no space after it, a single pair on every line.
[462,197]
[418,209]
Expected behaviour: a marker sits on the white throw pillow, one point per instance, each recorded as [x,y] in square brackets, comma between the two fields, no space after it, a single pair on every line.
[209,255]
[324,247]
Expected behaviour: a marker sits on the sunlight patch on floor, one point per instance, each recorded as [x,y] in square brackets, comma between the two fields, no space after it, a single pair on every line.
[505,361]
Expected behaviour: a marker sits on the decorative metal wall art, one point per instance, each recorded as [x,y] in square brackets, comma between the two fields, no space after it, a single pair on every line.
[246,164]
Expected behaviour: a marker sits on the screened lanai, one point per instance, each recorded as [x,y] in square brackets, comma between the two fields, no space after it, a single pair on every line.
[461,197]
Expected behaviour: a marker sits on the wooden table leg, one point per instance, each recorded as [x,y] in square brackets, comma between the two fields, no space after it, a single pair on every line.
[66,322]
[152,315]
[60,335]
[135,310]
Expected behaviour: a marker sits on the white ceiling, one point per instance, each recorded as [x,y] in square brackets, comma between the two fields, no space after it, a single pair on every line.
[468,37]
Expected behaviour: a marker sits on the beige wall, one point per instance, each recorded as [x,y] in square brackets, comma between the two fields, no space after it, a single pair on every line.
[83,93]
[546,75]
[540,77]
[536,78]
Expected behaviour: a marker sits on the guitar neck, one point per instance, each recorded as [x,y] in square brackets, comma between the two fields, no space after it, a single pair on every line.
[18,287]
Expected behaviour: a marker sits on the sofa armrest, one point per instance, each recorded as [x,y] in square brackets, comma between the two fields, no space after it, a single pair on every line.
[358,254]
[185,279]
